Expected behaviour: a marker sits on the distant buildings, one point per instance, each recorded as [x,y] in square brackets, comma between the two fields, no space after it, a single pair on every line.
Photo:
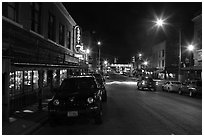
[165,60]
[165,55]
[41,46]
[195,71]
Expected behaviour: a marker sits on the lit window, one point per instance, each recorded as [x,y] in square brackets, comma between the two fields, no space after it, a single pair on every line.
[45,79]
[35,79]
[19,81]
[27,81]
[11,83]
[63,75]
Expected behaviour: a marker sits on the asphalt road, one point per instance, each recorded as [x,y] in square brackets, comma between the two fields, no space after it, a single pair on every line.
[133,112]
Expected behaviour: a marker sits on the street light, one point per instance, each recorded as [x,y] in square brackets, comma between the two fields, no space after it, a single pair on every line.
[99,53]
[191,49]
[159,23]
[145,63]
[105,62]
[87,51]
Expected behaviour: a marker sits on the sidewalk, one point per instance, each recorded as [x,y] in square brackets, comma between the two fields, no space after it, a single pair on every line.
[26,121]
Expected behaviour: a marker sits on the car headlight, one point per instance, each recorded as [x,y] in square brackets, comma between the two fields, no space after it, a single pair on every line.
[56,102]
[90,100]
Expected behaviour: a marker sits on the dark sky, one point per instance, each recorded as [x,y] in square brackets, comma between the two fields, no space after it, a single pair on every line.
[125,27]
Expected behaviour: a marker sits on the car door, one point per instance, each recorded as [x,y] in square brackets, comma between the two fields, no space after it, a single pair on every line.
[167,86]
[184,87]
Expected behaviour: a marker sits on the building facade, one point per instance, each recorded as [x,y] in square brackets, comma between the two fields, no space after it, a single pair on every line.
[40,48]
[164,60]
[194,71]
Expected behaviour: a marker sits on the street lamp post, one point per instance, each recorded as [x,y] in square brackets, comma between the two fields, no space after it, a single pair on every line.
[190,49]
[179,62]
[160,23]
[99,54]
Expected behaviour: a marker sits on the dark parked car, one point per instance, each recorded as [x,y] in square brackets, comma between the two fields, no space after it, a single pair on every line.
[192,88]
[101,82]
[146,83]
[75,97]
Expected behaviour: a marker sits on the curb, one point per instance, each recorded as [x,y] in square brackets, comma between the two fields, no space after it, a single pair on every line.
[35,127]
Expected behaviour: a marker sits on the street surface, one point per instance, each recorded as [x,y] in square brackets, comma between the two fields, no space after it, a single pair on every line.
[130,111]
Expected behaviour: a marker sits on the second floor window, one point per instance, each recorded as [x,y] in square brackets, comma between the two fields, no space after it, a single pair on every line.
[35,17]
[61,34]
[10,10]
[51,27]
[163,53]
[69,40]
[163,63]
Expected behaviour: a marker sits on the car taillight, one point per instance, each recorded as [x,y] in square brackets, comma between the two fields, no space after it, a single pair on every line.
[56,102]
[90,100]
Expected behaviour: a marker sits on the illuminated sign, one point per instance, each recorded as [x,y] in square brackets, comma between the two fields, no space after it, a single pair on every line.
[78,45]
[79,56]
[78,35]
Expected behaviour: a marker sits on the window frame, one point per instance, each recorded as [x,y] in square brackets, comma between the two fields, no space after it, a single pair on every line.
[51,32]
[61,34]
[36,13]
[5,10]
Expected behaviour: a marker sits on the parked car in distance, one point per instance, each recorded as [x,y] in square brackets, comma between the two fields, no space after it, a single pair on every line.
[75,97]
[146,83]
[101,81]
[191,88]
[171,86]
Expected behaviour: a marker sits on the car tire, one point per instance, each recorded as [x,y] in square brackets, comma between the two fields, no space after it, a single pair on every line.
[98,117]
[168,89]
[191,93]
[179,92]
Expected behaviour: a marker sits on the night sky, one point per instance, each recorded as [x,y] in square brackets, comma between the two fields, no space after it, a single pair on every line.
[125,28]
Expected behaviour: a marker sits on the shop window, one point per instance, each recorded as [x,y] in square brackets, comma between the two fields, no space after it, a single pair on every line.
[63,75]
[27,81]
[19,81]
[35,79]
[55,77]
[11,83]
[45,79]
